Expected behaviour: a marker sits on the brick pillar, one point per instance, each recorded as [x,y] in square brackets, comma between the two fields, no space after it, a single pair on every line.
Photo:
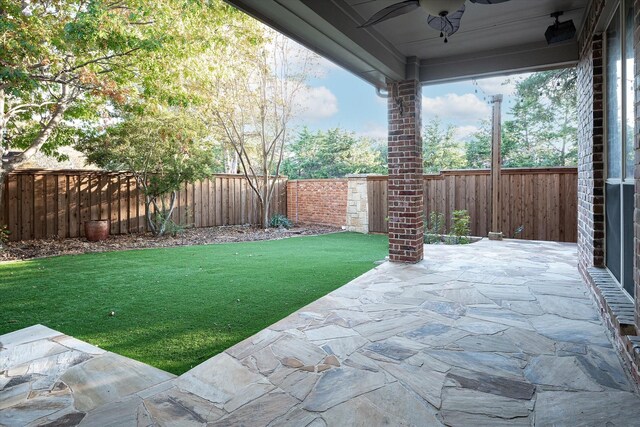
[405,194]
[590,155]
[636,215]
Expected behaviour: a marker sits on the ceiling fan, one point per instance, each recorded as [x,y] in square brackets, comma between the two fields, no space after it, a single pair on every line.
[444,15]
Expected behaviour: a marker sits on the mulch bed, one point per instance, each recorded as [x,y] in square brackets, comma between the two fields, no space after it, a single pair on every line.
[194,236]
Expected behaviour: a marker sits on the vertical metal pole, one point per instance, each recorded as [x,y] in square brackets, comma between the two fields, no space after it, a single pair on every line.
[496,160]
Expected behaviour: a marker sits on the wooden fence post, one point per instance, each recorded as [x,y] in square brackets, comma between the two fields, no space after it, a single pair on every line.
[496,160]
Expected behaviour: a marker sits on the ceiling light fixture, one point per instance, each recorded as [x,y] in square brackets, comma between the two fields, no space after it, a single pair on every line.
[560,31]
[443,15]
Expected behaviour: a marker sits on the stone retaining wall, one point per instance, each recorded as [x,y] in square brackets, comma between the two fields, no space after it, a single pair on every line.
[357,204]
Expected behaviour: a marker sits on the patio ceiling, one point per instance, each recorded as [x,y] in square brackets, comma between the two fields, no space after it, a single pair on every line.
[492,40]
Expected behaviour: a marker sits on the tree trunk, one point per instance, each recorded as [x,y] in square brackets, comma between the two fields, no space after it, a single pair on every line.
[166,214]
[265,200]
[148,201]
[3,179]
[43,136]
[265,214]
[158,225]
[5,168]
[3,122]
[231,164]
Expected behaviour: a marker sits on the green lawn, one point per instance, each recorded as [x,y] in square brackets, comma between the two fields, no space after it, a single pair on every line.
[176,307]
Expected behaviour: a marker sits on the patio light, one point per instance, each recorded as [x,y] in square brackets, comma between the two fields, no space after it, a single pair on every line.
[560,31]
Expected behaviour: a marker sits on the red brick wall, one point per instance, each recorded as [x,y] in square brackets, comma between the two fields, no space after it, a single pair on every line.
[317,201]
[591,180]
[591,145]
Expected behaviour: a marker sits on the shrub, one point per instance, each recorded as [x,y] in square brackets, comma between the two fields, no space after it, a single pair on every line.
[460,228]
[4,235]
[280,221]
[170,226]
[434,228]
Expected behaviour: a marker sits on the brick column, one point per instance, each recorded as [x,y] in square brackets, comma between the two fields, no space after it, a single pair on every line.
[636,214]
[405,194]
[590,155]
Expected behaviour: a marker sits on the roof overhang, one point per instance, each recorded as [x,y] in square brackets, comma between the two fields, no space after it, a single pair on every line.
[500,41]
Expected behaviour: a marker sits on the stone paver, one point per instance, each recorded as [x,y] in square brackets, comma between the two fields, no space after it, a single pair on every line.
[488,334]
[50,378]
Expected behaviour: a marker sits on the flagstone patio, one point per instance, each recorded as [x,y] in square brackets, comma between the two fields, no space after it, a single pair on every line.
[488,334]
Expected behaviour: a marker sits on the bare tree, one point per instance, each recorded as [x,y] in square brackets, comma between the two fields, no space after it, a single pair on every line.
[255,103]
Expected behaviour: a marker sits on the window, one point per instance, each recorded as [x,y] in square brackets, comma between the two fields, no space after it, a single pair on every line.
[620,132]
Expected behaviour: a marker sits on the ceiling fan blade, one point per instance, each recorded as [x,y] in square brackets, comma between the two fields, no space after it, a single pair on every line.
[392,11]
[446,24]
[488,1]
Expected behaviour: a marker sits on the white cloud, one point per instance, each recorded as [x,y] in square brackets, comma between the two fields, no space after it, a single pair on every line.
[502,85]
[464,132]
[374,131]
[463,109]
[496,85]
[316,103]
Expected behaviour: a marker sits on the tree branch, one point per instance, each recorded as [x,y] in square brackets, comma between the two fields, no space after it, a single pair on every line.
[22,107]
[43,135]
[103,58]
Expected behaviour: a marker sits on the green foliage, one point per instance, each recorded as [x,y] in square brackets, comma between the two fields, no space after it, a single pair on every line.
[66,53]
[164,149]
[478,147]
[77,60]
[171,228]
[460,225]
[4,234]
[540,130]
[330,154]
[440,148]
[280,221]
[177,307]
[435,228]
[543,130]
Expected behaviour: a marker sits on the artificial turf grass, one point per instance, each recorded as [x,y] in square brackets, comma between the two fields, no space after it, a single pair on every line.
[176,307]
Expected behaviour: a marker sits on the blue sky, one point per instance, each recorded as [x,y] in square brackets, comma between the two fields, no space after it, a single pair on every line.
[337,98]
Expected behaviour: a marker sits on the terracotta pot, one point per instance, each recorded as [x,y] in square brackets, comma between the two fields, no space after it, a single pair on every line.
[96,230]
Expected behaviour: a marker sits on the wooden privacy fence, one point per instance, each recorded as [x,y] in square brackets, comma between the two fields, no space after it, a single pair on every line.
[42,204]
[543,201]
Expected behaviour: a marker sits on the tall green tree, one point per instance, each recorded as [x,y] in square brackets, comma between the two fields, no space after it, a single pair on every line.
[478,147]
[163,149]
[440,148]
[330,154]
[543,127]
[65,64]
